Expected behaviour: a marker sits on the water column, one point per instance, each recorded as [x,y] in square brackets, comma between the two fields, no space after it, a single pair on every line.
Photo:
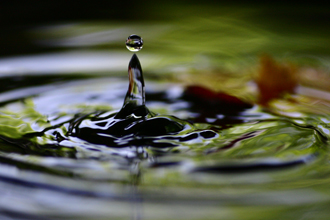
[134,104]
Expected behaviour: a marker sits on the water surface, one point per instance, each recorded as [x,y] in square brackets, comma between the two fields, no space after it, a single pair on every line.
[222,161]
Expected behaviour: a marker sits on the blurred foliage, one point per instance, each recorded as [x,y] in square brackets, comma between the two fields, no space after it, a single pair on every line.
[197,35]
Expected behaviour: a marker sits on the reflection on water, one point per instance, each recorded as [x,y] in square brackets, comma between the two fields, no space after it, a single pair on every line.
[64,153]
[67,62]
[256,159]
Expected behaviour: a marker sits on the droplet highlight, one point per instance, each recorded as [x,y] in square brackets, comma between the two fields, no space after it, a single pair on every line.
[134,43]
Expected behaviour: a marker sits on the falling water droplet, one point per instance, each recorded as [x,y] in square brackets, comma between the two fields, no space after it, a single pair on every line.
[134,43]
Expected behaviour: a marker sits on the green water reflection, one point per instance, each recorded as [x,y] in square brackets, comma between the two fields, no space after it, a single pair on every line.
[272,164]
[232,176]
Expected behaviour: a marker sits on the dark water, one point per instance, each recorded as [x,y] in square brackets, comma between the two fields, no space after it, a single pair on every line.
[75,143]
[67,153]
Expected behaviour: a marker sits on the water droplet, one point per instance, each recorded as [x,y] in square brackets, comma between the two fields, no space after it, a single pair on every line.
[134,43]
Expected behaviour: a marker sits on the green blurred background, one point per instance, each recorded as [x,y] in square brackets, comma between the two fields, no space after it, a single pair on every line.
[178,35]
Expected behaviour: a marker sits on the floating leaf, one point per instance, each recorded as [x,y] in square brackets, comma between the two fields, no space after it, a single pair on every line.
[275,79]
